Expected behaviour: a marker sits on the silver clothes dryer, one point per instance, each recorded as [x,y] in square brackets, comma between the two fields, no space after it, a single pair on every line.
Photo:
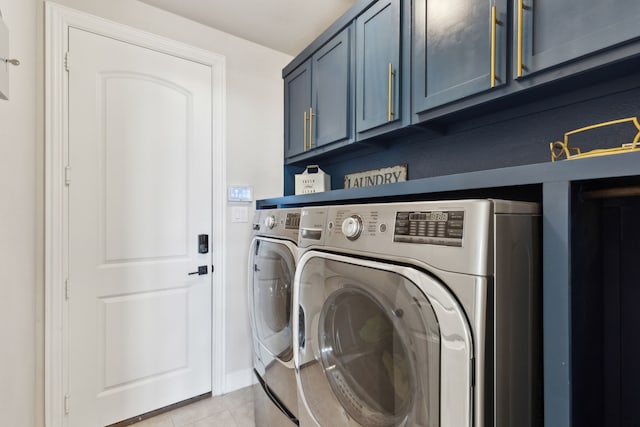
[272,263]
[419,314]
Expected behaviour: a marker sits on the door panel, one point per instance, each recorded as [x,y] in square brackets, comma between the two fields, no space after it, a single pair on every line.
[332,91]
[140,152]
[555,32]
[135,162]
[153,320]
[452,44]
[378,45]
[297,93]
[271,295]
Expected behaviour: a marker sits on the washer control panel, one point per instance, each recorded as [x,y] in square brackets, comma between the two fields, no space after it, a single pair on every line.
[434,227]
[352,227]
[448,235]
[429,227]
[270,221]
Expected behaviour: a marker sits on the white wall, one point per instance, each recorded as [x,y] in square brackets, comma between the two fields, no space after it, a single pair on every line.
[254,157]
[18,222]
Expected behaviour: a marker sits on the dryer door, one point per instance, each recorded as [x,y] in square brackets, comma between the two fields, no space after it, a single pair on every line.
[380,345]
[272,270]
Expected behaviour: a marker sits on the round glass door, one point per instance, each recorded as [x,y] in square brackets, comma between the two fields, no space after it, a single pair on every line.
[273,271]
[366,358]
[375,338]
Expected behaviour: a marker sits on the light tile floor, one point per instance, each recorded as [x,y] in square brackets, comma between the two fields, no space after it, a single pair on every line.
[234,409]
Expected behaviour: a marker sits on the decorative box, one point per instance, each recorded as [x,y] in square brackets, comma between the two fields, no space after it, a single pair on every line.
[312,180]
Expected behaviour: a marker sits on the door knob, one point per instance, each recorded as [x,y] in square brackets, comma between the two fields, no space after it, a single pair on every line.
[202,269]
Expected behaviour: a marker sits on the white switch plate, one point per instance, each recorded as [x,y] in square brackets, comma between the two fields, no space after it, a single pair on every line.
[239,214]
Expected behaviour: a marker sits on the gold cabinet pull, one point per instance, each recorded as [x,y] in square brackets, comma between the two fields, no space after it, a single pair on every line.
[310,127]
[304,131]
[494,23]
[520,30]
[390,112]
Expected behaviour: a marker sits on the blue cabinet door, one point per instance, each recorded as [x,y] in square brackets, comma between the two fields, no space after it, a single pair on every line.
[459,49]
[297,105]
[378,65]
[552,32]
[331,92]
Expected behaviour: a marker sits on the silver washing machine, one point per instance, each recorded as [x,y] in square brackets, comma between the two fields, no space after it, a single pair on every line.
[272,264]
[419,314]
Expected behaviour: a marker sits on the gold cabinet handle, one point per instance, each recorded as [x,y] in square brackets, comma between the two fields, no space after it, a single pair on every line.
[310,127]
[304,130]
[494,23]
[520,30]
[390,112]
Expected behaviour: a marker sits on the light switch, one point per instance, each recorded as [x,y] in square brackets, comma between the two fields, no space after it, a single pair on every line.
[239,214]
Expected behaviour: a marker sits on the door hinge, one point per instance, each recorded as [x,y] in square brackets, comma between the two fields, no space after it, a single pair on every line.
[67,175]
[66,60]
[67,291]
[67,404]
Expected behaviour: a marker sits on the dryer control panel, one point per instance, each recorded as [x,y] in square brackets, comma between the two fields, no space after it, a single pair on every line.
[282,223]
[429,227]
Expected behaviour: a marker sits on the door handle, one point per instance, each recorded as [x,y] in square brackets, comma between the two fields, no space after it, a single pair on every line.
[202,269]
[494,23]
[304,131]
[520,67]
[311,127]
[301,328]
[390,113]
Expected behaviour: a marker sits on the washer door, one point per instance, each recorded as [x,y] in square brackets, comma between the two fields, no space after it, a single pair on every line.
[271,286]
[380,345]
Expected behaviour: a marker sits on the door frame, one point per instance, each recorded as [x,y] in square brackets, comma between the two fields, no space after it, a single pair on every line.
[58,20]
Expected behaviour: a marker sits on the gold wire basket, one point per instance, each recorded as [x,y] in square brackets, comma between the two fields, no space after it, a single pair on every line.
[560,148]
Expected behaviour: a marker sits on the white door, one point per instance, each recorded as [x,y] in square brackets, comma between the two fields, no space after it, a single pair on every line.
[139,326]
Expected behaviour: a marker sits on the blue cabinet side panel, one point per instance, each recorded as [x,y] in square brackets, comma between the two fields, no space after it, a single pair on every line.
[557,304]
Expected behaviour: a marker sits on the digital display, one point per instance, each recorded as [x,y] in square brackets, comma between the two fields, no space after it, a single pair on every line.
[429,216]
[430,227]
[292,221]
[239,194]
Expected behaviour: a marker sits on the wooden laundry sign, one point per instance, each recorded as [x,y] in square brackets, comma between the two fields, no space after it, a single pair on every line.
[376,177]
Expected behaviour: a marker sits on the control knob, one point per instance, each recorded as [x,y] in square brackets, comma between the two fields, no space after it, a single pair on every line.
[352,227]
[270,221]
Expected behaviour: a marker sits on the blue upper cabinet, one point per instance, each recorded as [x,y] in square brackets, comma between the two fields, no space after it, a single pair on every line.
[318,99]
[548,33]
[331,92]
[387,64]
[297,104]
[378,67]
[459,49]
